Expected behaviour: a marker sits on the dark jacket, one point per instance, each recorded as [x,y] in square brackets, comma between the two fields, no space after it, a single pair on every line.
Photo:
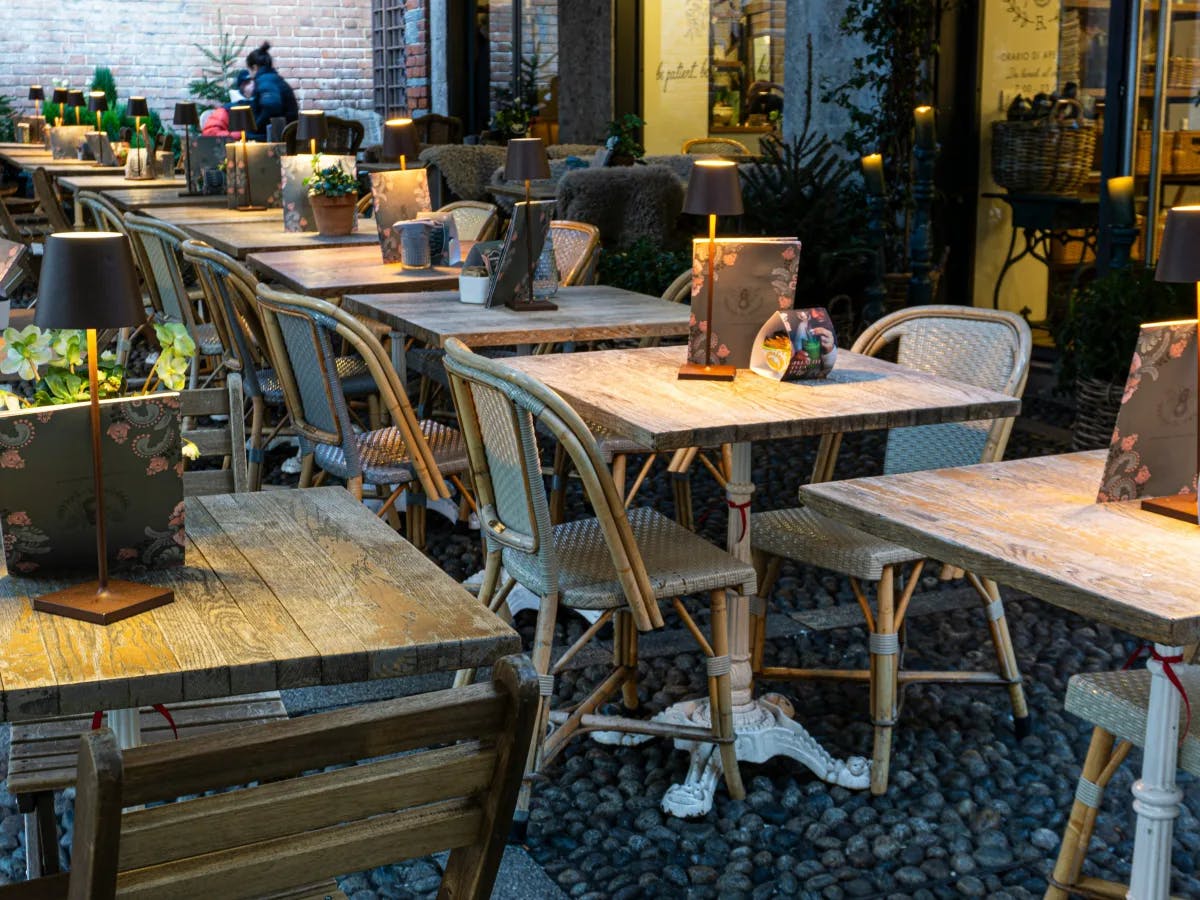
[272,97]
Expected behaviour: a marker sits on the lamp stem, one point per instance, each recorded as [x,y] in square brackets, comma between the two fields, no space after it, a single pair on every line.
[312,146]
[404,163]
[246,160]
[529,237]
[97,463]
[97,120]
[712,253]
[187,156]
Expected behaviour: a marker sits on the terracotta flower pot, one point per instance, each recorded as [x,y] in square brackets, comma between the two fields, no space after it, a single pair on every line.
[334,215]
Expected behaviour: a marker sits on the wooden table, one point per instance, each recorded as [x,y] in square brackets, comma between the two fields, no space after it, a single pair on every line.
[1035,524]
[127,199]
[516,191]
[31,159]
[585,313]
[241,238]
[85,182]
[635,393]
[197,213]
[335,271]
[282,589]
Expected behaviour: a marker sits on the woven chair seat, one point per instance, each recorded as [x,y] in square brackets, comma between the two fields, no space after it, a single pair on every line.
[804,533]
[208,342]
[384,456]
[356,379]
[677,561]
[1118,703]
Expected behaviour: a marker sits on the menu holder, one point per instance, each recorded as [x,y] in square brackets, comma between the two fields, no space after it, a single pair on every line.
[398,196]
[511,283]
[262,165]
[65,140]
[204,152]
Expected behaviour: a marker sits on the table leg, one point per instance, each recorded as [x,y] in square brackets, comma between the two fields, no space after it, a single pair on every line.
[764,729]
[1155,795]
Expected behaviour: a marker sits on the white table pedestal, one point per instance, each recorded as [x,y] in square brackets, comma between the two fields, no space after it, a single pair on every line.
[764,729]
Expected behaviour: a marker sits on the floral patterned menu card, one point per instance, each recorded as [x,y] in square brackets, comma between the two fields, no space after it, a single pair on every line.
[1153,449]
[398,197]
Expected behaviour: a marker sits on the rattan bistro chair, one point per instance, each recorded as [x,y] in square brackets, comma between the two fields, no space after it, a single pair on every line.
[988,348]
[621,563]
[475,220]
[104,213]
[715,145]
[1117,704]
[576,251]
[409,455]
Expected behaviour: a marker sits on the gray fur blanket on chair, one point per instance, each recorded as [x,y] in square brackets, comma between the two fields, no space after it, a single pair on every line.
[625,202]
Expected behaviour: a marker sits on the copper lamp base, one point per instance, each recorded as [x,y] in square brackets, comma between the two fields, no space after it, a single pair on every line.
[244,208]
[121,600]
[1181,506]
[697,371]
[530,305]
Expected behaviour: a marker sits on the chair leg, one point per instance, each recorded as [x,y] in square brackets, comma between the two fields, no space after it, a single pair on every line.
[414,518]
[885,657]
[1098,768]
[681,490]
[543,644]
[256,457]
[1006,656]
[766,569]
[374,417]
[618,474]
[355,486]
[625,655]
[721,699]
[558,485]
[306,470]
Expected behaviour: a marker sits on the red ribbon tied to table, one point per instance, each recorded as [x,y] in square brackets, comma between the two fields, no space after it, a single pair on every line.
[743,519]
[98,718]
[1172,676]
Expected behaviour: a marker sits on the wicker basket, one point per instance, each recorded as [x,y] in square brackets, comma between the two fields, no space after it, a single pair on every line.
[1096,406]
[1045,156]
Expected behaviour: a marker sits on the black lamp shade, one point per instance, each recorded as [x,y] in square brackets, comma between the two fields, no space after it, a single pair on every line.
[36,92]
[137,107]
[75,98]
[526,160]
[241,119]
[59,95]
[89,282]
[186,114]
[1179,259]
[311,126]
[97,102]
[714,189]
[400,139]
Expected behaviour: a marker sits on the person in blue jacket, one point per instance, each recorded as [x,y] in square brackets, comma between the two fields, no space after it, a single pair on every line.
[272,95]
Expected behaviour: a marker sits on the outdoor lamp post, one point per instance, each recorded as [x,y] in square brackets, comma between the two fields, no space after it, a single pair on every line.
[713,190]
[400,141]
[89,282]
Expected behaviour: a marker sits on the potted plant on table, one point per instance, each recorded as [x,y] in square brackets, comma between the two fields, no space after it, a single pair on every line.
[1096,338]
[333,193]
[623,144]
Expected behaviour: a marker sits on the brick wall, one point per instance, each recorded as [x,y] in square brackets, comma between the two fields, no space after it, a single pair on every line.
[322,47]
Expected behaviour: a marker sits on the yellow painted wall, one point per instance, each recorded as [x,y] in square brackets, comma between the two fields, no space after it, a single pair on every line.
[675,54]
[1020,55]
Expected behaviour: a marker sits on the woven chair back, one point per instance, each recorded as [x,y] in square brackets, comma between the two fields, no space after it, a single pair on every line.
[981,347]
[48,200]
[500,412]
[717,145]
[104,213]
[435,129]
[156,248]
[230,299]
[576,251]
[300,332]
[475,220]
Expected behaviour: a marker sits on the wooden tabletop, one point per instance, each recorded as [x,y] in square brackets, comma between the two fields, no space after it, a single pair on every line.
[282,589]
[240,238]
[199,214]
[585,313]
[127,198]
[41,159]
[334,271]
[101,182]
[1035,524]
[636,393]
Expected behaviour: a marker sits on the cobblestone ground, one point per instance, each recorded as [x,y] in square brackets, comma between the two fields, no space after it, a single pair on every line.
[970,812]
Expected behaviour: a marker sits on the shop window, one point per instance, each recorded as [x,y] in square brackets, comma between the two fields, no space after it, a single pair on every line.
[746,58]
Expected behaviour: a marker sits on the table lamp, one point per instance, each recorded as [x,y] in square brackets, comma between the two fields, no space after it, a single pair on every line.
[713,190]
[400,140]
[37,95]
[241,118]
[525,161]
[312,127]
[90,282]
[1179,262]
[59,97]
[138,108]
[97,102]
[187,115]
[75,99]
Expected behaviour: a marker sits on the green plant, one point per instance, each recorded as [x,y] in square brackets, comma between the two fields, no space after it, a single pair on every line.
[622,137]
[511,118]
[103,80]
[223,64]
[8,129]
[645,267]
[330,181]
[1096,337]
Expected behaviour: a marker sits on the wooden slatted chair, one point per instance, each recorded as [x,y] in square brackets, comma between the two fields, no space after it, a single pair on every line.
[619,563]
[474,219]
[416,455]
[984,347]
[49,203]
[436,771]
[229,293]
[42,753]
[1117,704]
